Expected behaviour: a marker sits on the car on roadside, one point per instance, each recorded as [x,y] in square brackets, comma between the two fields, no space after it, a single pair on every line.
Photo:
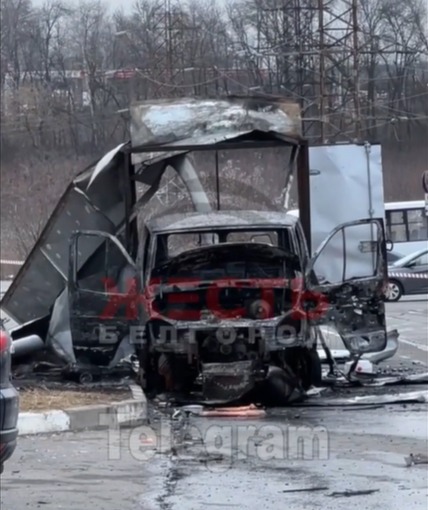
[393,256]
[9,400]
[408,276]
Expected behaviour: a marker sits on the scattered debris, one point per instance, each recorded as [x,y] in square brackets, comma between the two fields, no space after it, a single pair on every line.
[312,392]
[307,489]
[210,457]
[400,398]
[419,458]
[250,411]
[363,366]
[344,356]
[375,380]
[237,412]
[366,407]
[348,494]
[389,351]
[403,379]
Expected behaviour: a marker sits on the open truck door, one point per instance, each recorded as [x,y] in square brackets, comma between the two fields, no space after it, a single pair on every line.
[102,298]
[346,279]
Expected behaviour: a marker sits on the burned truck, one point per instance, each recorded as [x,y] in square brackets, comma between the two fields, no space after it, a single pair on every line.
[213,303]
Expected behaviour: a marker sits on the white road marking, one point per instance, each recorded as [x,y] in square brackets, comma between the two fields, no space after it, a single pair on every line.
[414,344]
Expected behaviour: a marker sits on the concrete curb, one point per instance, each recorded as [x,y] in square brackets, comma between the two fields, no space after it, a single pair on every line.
[127,413]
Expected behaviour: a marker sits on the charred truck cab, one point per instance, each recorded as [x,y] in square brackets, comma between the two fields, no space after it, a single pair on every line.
[222,294]
[221,303]
[234,302]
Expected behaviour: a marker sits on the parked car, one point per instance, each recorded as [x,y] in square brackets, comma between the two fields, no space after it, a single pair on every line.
[9,401]
[408,275]
[393,256]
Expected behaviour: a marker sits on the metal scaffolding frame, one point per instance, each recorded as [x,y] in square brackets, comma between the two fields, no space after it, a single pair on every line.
[308,50]
[321,66]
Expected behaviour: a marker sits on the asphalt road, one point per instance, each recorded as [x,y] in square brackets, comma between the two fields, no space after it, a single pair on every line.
[360,459]
[410,317]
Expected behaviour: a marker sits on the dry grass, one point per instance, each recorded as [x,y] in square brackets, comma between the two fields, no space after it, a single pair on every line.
[37,399]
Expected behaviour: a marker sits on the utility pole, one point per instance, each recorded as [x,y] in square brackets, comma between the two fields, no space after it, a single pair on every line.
[321,68]
[167,70]
[356,68]
[339,72]
[169,42]
[322,98]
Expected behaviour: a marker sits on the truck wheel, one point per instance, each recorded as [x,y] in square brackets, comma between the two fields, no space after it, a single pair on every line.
[85,378]
[306,364]
[278,387]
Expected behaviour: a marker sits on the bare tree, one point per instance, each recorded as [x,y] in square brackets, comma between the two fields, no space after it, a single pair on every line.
[402,26]
[49,17]
[16,15]
[93,48]
[69,69]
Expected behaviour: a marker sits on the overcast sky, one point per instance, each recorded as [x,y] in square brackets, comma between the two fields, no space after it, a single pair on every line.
[114,4]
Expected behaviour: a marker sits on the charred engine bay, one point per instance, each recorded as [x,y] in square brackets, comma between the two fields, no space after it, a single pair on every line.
[220,310]
[240,300]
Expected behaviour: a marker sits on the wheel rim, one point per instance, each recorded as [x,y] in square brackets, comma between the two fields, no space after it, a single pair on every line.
[393,291]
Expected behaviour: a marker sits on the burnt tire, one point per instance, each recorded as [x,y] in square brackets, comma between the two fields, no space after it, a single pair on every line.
[278,387]
[306,364]
[395,291]
[148,377]
[314,369]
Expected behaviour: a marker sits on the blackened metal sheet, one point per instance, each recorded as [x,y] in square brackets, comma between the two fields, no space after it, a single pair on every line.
[36,292]
[227,381]
[220,219]
[78,214]
[43,276]
[207,121]
[182,121]
[103,186]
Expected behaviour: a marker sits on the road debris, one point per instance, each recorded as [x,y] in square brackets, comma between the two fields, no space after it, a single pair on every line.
[237,412]
[349,494]
[400,379]
[363,367]
[419,458]
[315,392]
[344,356]
[400,398]
[250,411]
[375,380]
[307,489]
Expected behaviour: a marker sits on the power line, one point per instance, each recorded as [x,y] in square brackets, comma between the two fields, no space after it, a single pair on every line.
[315,58]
